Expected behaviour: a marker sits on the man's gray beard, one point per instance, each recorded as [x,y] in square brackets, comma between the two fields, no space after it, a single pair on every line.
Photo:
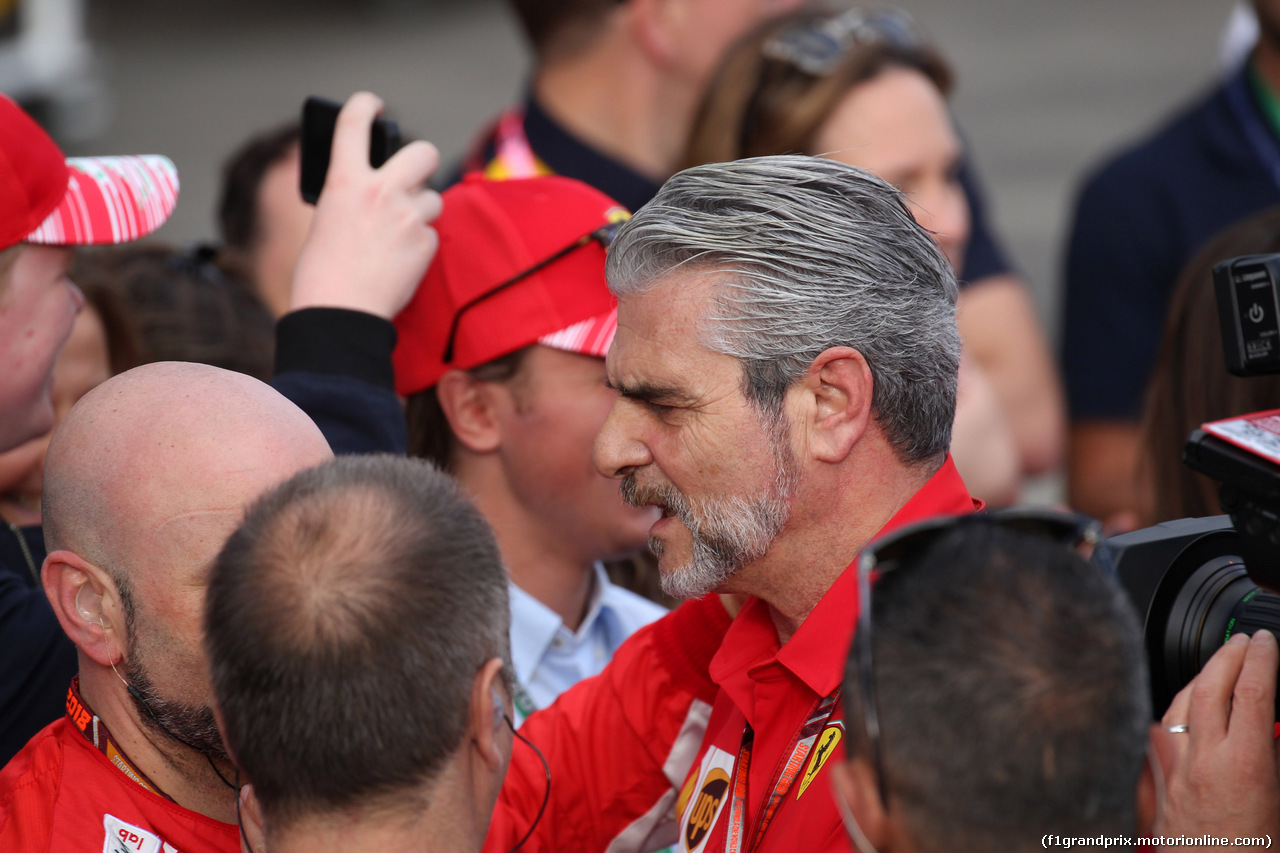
[192,726]
[728,532]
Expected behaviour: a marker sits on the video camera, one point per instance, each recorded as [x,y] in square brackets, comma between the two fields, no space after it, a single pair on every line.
[1198,581]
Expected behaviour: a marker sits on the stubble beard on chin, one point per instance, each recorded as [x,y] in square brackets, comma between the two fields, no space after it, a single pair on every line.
[190,725]
[728,532]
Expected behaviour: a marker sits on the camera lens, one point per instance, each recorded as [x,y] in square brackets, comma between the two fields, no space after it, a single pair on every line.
[1192,591]
[1216,601]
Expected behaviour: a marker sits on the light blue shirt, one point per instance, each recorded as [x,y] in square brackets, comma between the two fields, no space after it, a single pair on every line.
[549,658]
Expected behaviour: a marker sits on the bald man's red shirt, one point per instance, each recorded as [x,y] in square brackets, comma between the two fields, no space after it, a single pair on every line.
[60,794]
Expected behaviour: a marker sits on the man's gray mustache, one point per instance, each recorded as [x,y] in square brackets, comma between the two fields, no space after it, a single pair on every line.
[665,496]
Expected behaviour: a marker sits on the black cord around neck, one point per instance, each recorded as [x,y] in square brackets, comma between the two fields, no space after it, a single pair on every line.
[546,797]
[137,694]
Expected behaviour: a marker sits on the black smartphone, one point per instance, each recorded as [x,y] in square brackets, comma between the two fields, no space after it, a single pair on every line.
[319,118]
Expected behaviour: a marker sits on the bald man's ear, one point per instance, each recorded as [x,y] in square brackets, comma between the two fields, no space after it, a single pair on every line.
[87,604]
[469,406]
[835,395]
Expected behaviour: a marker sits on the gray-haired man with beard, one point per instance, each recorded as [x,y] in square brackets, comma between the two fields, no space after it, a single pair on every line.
[786,363]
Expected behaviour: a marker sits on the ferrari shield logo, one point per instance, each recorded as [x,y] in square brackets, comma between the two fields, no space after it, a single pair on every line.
[823,747]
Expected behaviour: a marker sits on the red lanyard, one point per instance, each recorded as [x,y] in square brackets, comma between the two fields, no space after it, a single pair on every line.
[95,731]
[804,740]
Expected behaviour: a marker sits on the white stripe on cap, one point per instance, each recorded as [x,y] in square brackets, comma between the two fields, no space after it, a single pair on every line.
[588,337]
[111,200]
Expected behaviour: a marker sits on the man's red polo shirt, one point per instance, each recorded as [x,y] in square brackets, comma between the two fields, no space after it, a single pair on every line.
[775,688]
[60,794]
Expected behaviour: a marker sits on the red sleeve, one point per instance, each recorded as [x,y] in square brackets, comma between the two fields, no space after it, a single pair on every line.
[618,745]
[28,788]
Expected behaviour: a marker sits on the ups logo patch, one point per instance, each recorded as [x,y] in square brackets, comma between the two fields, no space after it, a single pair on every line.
[703,814]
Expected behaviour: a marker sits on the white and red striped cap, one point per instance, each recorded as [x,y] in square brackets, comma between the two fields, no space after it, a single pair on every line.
[49,199]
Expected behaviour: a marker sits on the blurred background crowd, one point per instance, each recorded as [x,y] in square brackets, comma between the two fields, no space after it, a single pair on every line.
[1044,90]
[1033,145]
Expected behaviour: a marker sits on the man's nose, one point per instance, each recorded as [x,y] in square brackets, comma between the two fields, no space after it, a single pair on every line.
[619,448]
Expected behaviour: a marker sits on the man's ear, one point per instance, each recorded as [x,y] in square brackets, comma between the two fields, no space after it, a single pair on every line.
[87,604]
[653,27]
[488,714]
[468,405]
[836,395]
[855,787]
[1150,791]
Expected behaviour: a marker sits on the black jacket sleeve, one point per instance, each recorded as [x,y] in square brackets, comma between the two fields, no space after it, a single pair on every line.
[335,365]
[37,660]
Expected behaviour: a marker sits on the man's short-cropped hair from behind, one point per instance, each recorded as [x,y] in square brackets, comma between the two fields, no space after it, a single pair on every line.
[1012,692]
[810,254]
[346,620]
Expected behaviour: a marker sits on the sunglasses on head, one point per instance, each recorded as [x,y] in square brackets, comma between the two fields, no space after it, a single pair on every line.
[816,47]
[1070,530]
[604,235]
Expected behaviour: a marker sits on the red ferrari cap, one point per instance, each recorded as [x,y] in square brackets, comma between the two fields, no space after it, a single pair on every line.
[81,201]
[492,232]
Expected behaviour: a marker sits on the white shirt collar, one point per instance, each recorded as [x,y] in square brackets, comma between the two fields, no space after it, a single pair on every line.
[534,625]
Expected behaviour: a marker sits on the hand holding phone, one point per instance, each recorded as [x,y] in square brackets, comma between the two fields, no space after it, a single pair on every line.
[371,239]
[319,120]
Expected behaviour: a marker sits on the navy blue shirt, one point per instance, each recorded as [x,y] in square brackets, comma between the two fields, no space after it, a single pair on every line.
[1138,220]
[37,660]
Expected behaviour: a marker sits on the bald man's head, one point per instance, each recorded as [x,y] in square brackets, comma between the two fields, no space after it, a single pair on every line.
[163,439]
[145,479]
